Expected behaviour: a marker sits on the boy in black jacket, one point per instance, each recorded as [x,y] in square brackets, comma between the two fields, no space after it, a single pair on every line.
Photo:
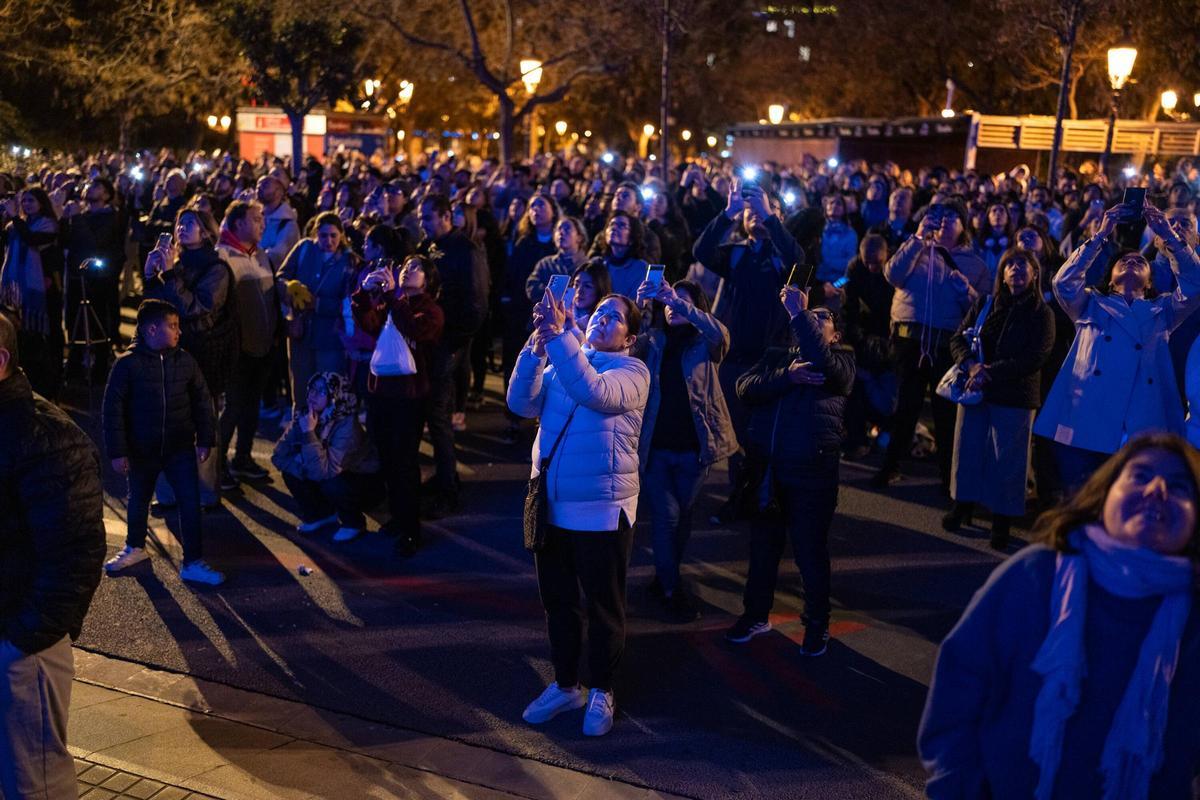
[158,418]
[797,400]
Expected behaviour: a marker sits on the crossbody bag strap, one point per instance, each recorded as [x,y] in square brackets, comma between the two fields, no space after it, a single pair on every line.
[554,449]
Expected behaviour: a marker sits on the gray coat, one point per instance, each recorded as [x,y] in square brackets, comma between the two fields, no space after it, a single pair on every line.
[700,361]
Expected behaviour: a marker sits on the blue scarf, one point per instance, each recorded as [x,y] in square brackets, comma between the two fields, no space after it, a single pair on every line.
[22,279]
[1133,749]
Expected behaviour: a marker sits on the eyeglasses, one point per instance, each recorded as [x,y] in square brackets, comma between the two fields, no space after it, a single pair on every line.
[823,315]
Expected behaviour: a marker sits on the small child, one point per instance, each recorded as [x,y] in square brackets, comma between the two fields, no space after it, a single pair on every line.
[158,418]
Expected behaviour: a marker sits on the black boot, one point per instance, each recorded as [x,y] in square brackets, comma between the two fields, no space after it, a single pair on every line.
[959,515]
[1001,525]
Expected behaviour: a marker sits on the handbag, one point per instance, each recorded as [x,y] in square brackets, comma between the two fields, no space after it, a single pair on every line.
[953,385]
[537,511]
[392,355]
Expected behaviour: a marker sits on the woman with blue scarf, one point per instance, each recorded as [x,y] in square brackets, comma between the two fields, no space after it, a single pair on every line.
[1075,670]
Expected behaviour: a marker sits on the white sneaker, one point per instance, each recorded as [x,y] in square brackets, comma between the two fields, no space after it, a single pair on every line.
[126,558]
[200,572]
[598,718]
[553,701]
[309,527]
[346,534]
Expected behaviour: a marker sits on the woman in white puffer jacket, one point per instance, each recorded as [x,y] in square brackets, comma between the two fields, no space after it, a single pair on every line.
[598,392]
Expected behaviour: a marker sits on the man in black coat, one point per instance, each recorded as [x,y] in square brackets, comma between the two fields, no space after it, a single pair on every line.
[464,299]
[95,232]
[797,399]
[51,547]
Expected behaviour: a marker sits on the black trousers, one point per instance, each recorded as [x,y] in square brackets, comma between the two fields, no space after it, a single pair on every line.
[917,378]
[444,380]
[728,373]
[347,494]
[806,495]
[596,562]
[246,387]
[395,425]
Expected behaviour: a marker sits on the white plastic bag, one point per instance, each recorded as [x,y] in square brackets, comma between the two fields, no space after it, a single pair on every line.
[392,354]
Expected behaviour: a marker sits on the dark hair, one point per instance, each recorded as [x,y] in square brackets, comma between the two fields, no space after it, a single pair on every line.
[8,339]
[633,314]
[45,207]
[154,312]
[439,202]
[699,298]
[387,239]
[1105,284]
[433,278]
[525,227]
[205,220]
[328,218]
[597,270]
[637,235]
[107,185]
[237,211]
[1019,254]
[1054,527]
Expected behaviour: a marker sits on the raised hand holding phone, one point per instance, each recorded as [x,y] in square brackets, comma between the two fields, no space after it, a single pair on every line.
[794,300]
[735,203]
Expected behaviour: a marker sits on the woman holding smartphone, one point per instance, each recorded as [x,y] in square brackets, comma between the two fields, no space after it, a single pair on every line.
[590,401]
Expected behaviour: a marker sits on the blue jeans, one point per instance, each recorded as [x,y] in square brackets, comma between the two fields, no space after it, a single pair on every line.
[180,471]
[672,483]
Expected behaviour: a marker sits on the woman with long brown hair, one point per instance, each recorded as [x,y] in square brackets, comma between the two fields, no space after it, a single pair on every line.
[1075,670]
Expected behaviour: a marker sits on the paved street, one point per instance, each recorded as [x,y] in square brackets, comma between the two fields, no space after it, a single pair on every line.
[450,643]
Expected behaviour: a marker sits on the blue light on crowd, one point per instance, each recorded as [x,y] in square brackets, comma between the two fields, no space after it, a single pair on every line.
[750,173]
[607,158]
[832,162]
[789,198]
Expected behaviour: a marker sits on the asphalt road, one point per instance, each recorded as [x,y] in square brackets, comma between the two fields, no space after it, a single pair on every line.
[451,642]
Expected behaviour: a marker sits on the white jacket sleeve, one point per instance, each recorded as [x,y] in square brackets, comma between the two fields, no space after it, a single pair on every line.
[615,391]
[526,391]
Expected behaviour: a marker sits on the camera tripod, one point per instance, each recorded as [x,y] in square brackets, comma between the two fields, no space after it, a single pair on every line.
[87,331]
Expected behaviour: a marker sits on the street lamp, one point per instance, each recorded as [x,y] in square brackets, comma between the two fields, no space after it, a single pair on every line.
[1120,66]
[686,135]
[560,127]
[1169,100]
[213,121]
[648,129]
[531,76]
[775,113]
[406,93]
[1196,99]
[712,141]
[225,122]
[221,123]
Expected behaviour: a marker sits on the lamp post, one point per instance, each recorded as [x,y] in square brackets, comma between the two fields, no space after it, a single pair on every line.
[775,113]
[531,76]
[1169,100]
[1120,65]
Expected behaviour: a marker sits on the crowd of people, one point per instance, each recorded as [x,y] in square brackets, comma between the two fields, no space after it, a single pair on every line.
[778,319]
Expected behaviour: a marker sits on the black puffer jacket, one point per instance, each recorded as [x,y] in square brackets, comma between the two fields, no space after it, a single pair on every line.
[200,286]
[789,422]
[51,526]
[1018,335]
[156,404]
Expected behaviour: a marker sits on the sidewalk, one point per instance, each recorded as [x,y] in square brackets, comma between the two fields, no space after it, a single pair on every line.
[144,733]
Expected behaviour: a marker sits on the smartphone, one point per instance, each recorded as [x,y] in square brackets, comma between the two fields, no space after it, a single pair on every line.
[558,286]
[842,281]
[1133,202]
[164,242]
[569,297]
[655,274]
[794,275]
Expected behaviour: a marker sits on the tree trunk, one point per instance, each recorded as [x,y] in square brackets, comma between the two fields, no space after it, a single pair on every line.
[664,107]
[1064,91]
[125,123]
[296,120]
[506,128]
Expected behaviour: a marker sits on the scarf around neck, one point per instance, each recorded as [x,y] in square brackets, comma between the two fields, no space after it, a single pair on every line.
[1133,748]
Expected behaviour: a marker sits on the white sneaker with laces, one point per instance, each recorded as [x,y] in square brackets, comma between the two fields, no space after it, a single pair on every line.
[598,718]
[127,557]
[200,572]
[316,525]
[346,534]
[552,702]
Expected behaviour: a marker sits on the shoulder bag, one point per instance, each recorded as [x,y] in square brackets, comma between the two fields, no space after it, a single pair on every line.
[953,385]
[537,512]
